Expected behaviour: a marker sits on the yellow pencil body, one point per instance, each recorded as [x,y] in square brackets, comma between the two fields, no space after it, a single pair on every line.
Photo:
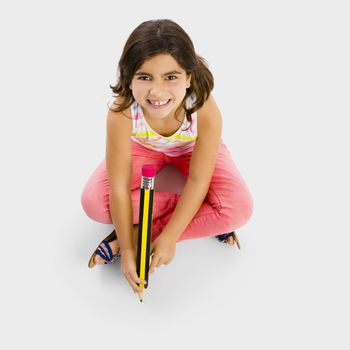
[145,223]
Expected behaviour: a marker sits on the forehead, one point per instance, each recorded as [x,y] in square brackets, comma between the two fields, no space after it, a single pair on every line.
[160,63]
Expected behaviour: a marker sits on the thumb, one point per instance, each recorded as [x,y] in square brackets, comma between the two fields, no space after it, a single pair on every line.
[153,264]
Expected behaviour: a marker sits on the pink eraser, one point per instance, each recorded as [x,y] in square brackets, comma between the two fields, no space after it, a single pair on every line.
[148,170]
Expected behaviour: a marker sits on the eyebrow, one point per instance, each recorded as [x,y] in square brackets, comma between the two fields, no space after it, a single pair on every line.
[172,72]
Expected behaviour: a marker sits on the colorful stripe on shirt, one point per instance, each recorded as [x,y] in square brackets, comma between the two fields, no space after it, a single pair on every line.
[182,141]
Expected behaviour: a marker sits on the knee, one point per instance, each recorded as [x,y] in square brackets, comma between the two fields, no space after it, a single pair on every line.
[95,205]
[239,211]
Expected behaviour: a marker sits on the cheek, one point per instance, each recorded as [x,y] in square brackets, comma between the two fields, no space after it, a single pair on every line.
[178,89]
[139,90]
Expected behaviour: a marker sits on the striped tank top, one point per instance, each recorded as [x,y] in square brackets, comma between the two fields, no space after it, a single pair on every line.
[182,141]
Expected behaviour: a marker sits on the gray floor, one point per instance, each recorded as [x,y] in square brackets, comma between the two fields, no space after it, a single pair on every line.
[282,85]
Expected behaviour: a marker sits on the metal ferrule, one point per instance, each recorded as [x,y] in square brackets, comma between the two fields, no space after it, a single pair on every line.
[147,183]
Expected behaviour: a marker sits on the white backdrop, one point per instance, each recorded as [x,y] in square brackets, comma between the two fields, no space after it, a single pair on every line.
[282,77]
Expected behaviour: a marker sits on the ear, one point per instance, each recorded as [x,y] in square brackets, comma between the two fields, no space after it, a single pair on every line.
[188,81]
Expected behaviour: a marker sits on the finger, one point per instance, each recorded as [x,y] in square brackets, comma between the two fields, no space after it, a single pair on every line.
[160,262]
[136,278]
[154,263]
[134,287]
[133,283]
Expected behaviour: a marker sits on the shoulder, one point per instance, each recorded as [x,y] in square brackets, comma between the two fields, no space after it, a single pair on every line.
[118,101]
[209,117]
[119,147]
[119,122]
[209,128]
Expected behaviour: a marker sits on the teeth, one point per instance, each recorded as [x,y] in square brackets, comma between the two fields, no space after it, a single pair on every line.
[160,103]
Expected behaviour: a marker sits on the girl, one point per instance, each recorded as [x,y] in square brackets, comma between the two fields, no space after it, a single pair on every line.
[164,113]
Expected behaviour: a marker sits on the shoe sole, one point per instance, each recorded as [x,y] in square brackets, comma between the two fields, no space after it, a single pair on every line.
[235,239]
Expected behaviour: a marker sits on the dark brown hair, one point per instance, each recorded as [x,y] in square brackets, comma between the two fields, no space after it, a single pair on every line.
[162,36]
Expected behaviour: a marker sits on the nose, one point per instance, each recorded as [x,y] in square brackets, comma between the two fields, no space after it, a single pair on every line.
[156,90]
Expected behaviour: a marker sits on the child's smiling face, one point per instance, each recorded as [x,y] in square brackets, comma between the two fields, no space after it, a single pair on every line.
[160,80]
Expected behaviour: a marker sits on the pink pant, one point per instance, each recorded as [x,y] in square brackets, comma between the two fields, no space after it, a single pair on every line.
[227,206]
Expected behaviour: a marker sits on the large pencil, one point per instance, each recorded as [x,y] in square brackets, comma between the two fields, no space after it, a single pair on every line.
[145,225]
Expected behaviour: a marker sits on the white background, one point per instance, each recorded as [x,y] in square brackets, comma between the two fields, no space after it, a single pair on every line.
[282,77]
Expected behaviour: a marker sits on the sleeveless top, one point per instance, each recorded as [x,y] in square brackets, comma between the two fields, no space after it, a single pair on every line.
[182,141]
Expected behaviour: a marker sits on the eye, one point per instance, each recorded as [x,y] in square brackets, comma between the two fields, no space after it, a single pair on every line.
[146,77]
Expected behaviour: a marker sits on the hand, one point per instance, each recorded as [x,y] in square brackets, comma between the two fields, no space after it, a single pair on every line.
[163,250]
[128,267]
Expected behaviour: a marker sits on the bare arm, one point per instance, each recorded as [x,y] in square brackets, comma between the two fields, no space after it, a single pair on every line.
[119,170]
[201,169]
[121,212]
[189,203]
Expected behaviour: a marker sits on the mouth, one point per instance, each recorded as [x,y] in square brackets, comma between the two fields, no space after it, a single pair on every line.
[158,104]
